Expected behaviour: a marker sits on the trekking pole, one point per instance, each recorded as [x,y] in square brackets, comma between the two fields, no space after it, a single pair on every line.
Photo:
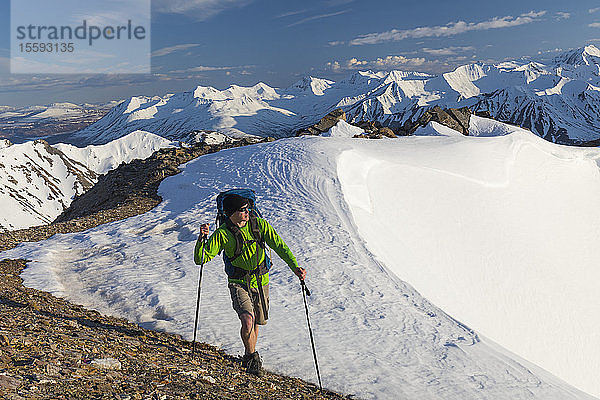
[198,300]
[306,292]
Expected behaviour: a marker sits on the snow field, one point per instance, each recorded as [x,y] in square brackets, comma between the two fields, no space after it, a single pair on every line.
[372,221]
[510,252]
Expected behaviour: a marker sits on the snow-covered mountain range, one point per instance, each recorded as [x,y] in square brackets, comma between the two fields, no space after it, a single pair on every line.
[559,101]
[38,181]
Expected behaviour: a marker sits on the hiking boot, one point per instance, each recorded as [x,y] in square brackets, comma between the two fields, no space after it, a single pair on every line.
[254,365]
[246,359]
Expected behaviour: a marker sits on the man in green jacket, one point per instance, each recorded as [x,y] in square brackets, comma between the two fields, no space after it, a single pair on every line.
[250,301]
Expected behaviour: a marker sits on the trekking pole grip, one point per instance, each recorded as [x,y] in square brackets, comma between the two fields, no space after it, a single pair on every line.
[304,287]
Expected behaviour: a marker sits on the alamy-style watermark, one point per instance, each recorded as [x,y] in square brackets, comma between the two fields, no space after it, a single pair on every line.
[75,36]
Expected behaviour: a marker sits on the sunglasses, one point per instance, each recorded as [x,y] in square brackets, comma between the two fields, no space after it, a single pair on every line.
[244,209]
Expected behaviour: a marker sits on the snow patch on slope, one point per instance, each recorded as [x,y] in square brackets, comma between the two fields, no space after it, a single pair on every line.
[103,158]
[436,129]
[343,129]
[37,183]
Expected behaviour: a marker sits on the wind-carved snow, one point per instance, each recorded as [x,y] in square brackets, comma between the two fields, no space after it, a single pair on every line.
[436,129]
[343,129]
[498,232]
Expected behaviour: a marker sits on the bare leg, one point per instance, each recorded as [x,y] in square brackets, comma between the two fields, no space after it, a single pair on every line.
[249,332]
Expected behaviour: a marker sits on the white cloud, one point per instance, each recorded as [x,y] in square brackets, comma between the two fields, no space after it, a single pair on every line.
[314,17]
[168,50]
[448,51]
[202,68]
[594,25]
[391,62]
[381,63]
[556,50]
[562,15]
[289,14]
[208,68]
[113,13]
[198,9]
[451,29]
[593,10]
[107,18]
[32,82]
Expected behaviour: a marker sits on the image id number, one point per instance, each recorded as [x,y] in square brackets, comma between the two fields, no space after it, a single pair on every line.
[46,47]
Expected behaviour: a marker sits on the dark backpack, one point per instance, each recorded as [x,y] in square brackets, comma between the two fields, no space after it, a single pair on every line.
[231,270]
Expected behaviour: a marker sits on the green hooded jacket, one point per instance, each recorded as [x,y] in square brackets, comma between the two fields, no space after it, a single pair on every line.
[222,239]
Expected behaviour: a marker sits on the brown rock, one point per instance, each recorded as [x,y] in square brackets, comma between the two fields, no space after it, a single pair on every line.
[454,118]
[324,124]
[369,136]
[330,120]
[52,370]
[8,382]
[367,126]
[310,131]
[386,132]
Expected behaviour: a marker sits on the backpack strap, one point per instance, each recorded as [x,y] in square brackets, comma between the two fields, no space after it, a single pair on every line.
[260,240]
[239,244]
[239,238]
[255,232]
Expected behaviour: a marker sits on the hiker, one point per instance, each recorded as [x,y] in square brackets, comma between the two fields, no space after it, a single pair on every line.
[250,301]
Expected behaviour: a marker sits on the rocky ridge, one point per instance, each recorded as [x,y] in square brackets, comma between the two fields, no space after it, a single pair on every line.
[52,349]
[454,118]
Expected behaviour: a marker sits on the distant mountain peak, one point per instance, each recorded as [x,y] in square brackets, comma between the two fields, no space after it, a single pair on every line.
[592,50]
[397,75]
[206,92]
[311,84]
[587,55]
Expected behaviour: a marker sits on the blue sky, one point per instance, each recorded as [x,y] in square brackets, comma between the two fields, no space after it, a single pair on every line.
[223,42]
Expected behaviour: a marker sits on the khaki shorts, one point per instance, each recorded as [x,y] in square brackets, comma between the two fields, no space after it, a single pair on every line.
[242,303]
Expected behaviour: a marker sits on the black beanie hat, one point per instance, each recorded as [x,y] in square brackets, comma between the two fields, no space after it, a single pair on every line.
[232,203]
